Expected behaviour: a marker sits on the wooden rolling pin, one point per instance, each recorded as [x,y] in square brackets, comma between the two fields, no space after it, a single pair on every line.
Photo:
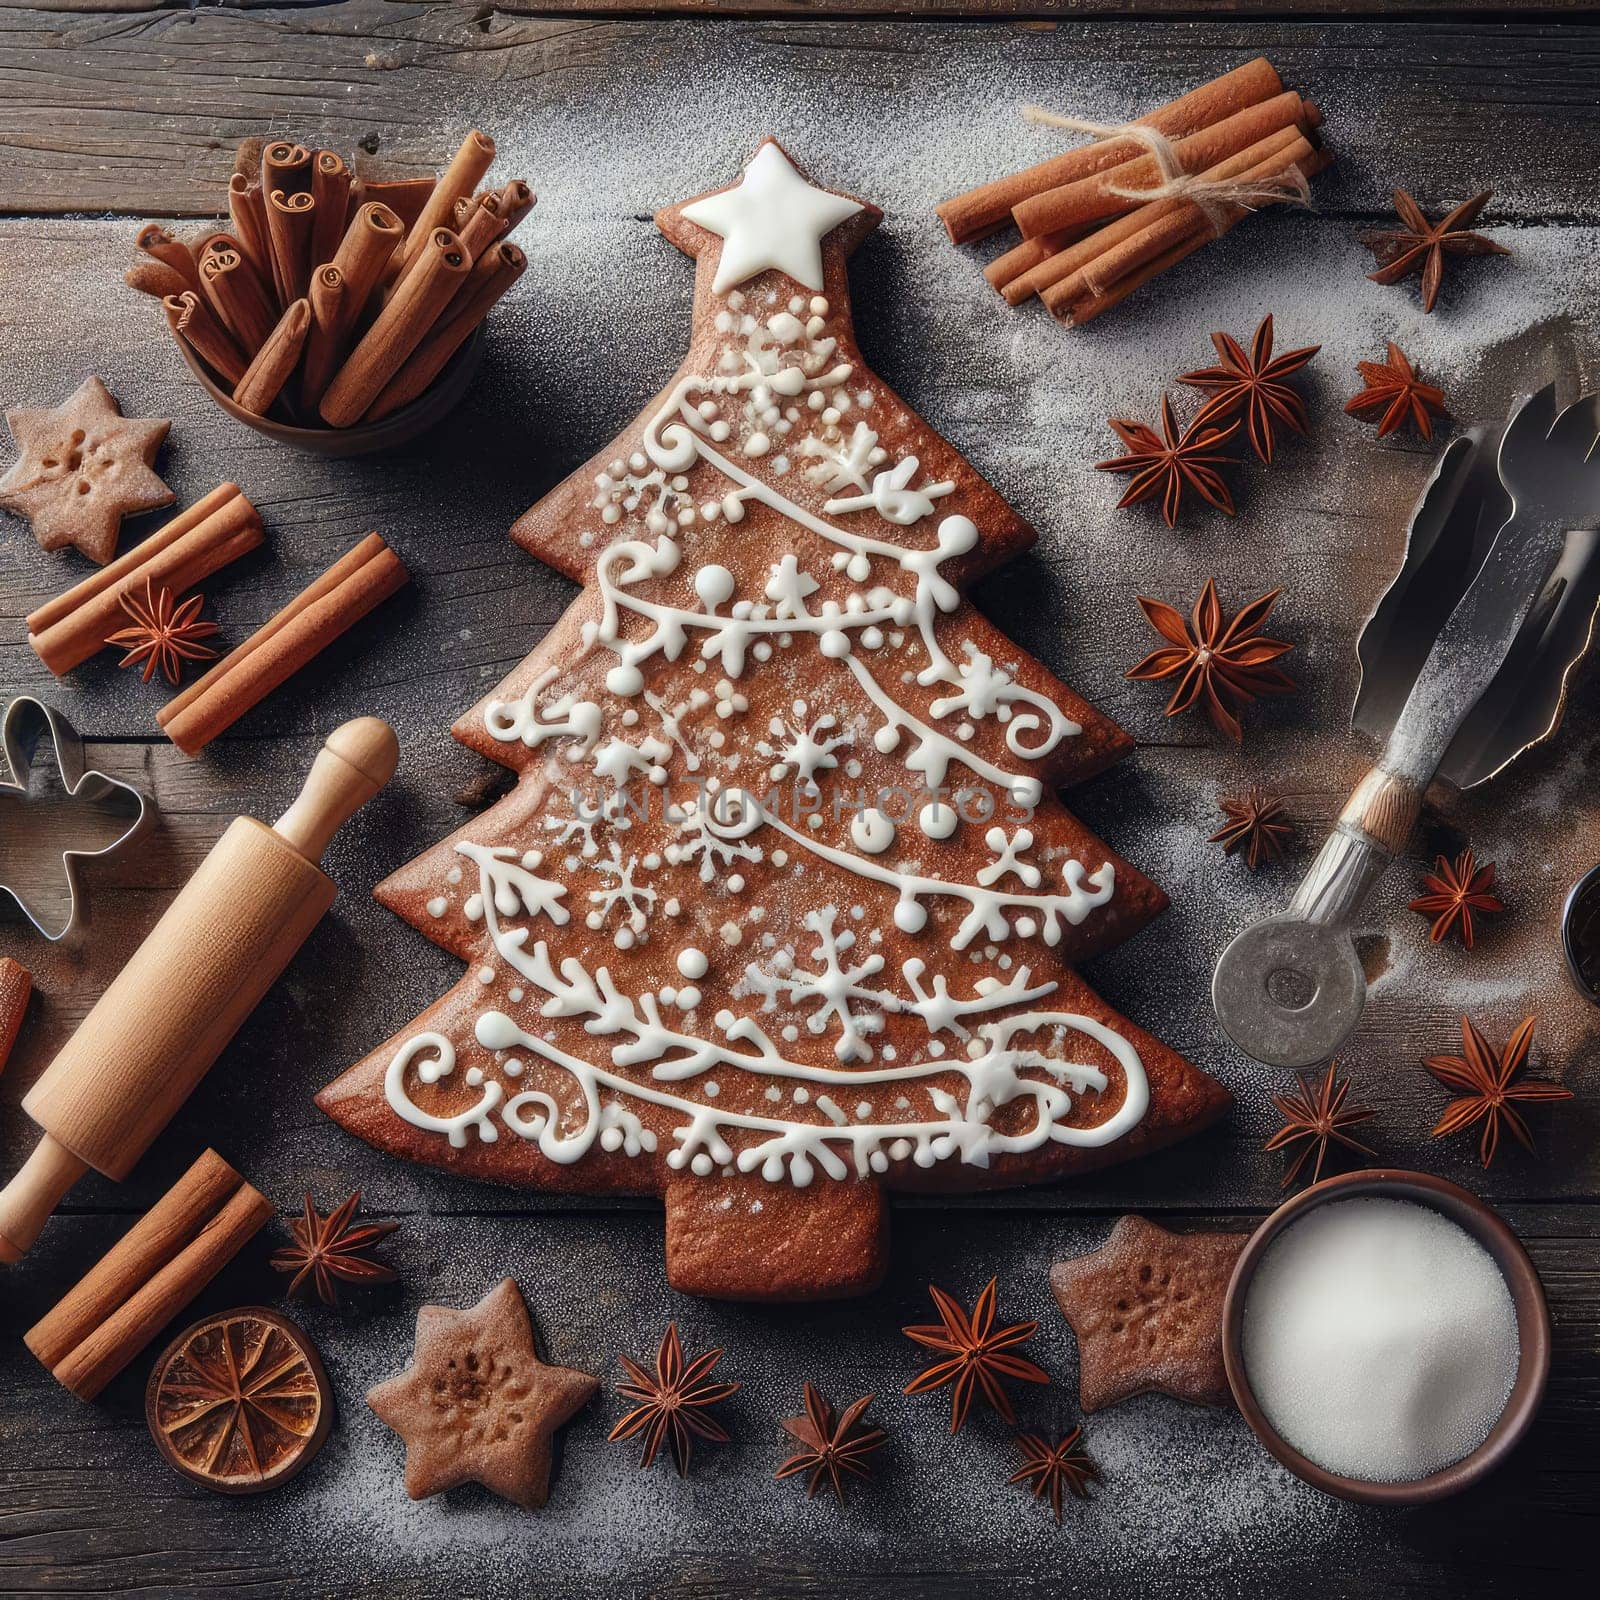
[185,991]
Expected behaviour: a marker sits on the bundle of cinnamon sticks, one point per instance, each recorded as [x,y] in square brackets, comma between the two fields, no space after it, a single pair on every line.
[1088,238]
[335,299]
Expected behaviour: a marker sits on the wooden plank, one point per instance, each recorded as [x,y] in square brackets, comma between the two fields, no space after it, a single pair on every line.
[1041,12]
[144,110]
[89,1507]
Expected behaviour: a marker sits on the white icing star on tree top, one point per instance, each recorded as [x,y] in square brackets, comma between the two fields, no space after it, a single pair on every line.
[771,218]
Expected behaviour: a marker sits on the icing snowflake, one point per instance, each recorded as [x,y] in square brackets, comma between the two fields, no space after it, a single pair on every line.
[801,748]
[836,986]
[844,465]
[636,899]
[699,835]
[579,827]
[983,690]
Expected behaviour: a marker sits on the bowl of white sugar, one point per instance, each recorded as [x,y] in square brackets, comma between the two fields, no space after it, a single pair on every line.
[1386,1337]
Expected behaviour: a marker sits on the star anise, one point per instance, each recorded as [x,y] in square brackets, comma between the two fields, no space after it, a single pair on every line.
[162,635]
[1315,1116]
[676,1402]
[1253,384]
[1213,662]
[1421,246]
[977,1355]
[1485,1081]
[1186,460]
[1393,388]
[1257,824]
[830,1448]
[1050,1469]
[327,1250]
[1455,889]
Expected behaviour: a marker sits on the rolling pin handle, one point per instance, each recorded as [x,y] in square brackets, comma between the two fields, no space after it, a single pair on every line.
[27,1201]
[355,763]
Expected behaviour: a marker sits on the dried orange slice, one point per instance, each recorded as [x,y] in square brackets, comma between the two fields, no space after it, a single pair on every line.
[239,1401]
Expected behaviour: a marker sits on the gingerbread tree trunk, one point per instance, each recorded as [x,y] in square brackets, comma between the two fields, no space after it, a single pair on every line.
[781,910]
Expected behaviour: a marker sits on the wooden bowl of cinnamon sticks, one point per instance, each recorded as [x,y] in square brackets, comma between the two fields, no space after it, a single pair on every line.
[338,314]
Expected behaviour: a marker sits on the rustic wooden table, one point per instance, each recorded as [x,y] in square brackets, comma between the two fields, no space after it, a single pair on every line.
[116,110]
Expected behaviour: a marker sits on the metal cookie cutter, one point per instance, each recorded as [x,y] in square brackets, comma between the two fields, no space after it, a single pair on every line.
[1464,666]
[23,836]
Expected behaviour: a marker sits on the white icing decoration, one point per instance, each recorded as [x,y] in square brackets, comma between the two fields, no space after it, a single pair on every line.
[771,218]
[514,890]
[637,900]
[892,498]
[871,830]
[801,748]
[1082,891]
[693,963]
[938,819]
[565,717]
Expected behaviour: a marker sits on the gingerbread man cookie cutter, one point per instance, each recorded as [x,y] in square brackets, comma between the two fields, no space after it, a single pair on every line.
[25,724]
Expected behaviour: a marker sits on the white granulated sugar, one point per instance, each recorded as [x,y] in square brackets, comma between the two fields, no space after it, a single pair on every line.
[1380,1339]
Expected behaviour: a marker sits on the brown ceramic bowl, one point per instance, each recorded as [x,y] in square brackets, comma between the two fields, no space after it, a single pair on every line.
[1527,1297]
[399,428]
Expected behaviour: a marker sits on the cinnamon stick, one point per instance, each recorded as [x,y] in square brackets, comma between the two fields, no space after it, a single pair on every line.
[360,580]
[406,317]
[67,630]
[248,212]
[15,987]
[153,277]
[374,235]
[195,324]
[148,1276]
[326,342]
[290,219]
[483,225]
[1083,254]
[330,188]
[142,1252]
[156,242]
[988,207]
[406,197]
[237,295]
[1079,301]
[460,178]
[516,201]
[1020,258]
[1074,205]
[274,362]
[285,165]
[499,268]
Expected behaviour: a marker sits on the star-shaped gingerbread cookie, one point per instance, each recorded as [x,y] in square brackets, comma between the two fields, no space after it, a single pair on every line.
[81,468]
[477,1405]
[1147,1310]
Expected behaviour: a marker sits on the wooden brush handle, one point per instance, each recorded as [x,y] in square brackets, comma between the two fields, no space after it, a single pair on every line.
[185,991]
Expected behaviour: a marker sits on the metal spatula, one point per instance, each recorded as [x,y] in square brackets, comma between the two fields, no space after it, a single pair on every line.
[1464,664]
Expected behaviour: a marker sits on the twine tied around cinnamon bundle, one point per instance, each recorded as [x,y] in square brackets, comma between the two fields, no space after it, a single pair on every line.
[1210,196]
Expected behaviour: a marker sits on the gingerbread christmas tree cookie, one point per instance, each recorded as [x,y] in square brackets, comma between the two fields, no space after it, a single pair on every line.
[782,910]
